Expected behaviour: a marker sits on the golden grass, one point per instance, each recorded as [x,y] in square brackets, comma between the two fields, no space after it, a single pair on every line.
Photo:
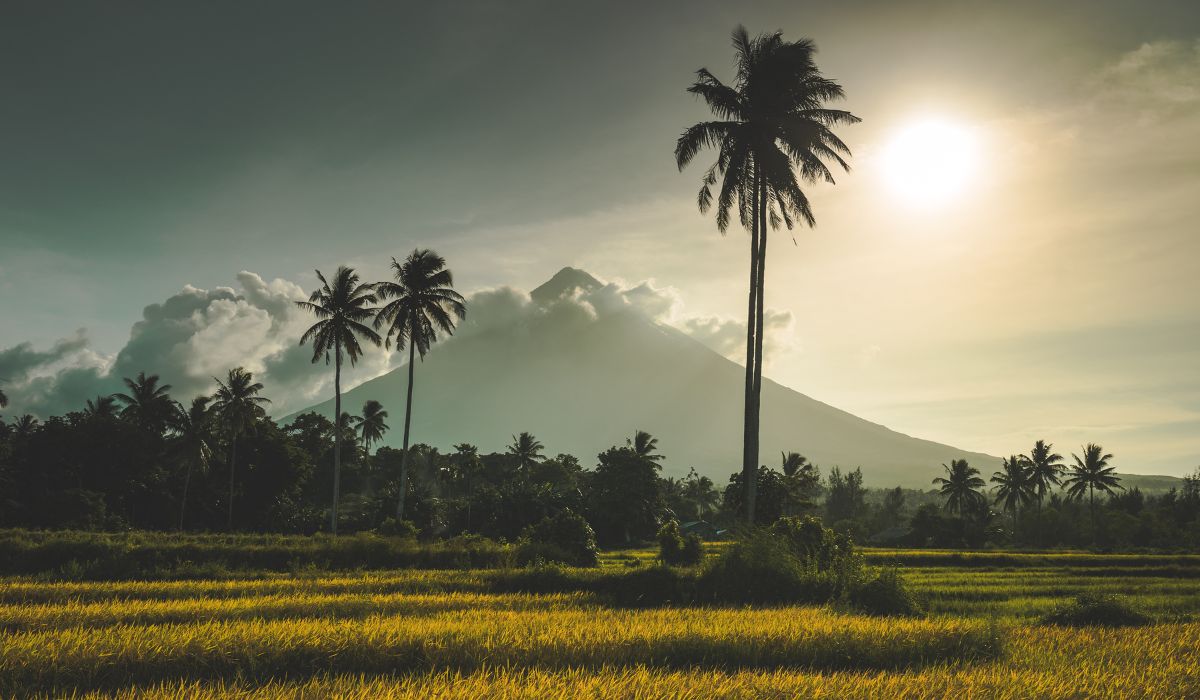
[468,640]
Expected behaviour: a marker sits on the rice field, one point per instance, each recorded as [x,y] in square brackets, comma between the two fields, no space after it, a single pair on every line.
[418,633]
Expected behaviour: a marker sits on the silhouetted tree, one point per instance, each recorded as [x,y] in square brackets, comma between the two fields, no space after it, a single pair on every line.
[845,497]
[100,408]
[423,302]
[3,399]
[148,404]
[1014,486]
[645,445]
[961,486]
[343,308]
[770,124]
[1045,468]
[1089,474]
[190,444]
[525,451]
[238,405]
[371,425]
[624,497]
[803,481]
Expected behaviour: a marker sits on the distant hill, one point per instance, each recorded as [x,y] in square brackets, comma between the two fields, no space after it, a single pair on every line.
[582,382]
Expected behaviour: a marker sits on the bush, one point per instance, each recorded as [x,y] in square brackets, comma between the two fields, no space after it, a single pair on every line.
[393,528]
[1095,609]
[647,587]
[677,549]
[796,560]
[887,594]
[566,538]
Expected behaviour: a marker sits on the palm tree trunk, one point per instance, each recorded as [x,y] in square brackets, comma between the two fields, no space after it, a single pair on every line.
[407,423]
[761,212]
[337,438]
[749,429]
[1092,506]
[187,478]
[232,466]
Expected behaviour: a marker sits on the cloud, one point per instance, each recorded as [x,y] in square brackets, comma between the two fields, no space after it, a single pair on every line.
[198,334]
[188,339]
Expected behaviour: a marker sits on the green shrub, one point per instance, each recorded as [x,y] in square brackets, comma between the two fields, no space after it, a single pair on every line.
[677,549]
[646,587]
[1096,609]
[404,528]
[886,594]
[566,538]
[759,569]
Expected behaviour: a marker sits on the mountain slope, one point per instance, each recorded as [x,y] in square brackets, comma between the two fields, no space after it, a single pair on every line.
[583,379]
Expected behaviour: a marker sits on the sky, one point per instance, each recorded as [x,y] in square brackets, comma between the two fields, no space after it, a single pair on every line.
[171,174]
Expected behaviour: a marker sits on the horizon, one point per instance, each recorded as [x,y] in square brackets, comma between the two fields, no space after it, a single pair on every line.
[1035,282]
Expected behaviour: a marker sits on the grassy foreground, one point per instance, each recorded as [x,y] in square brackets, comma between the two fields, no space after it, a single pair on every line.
[416,633]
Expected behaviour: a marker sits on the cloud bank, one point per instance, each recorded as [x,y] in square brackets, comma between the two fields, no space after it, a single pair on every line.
[197,334]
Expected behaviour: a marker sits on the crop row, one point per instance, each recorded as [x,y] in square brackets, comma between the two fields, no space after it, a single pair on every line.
[82,658]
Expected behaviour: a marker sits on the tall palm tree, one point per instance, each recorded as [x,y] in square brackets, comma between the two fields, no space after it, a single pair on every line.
[238,404]
[3,399]
[1091,474]
[772,132]
[101,407]
[645,445]
[344,308]
[468,465]
[148,403]
[1014,486]
[422,303]
[370,424]
[526,451]
[961,486]
[192,427]
[1045,470]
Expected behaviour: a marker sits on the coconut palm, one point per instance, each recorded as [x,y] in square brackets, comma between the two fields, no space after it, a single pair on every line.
[25,426]
[645,445]
[344,308]
[422,303]
[370,424]
[239,406]
[771,132]
[101,407]
[792,462]
[1091,474]
[525,451]
[1014,486]
[961,486]
[1045,470]
[191,444]
[148,403]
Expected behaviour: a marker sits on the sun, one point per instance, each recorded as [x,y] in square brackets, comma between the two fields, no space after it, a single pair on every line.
[931,162]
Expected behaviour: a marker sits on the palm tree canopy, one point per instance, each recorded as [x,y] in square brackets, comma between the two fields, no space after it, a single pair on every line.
[1014,484]
[371,425]
[25,426]
[1045,467]
[526,449]
[422,302]
[101,407]
[344,308]
[961,485]
[1091,472]
[645,445]
[792,462]
[772,120]
[192,426]
[148,403]
[237,401]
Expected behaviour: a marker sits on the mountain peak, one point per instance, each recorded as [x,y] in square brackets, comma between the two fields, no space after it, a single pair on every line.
[563,283]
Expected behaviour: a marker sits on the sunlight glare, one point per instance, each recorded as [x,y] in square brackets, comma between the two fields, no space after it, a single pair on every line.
[931,162]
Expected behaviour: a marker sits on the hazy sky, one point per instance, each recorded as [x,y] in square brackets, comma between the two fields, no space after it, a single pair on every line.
[1055,293]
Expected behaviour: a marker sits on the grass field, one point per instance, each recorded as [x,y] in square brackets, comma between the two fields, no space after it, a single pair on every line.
[416,633]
